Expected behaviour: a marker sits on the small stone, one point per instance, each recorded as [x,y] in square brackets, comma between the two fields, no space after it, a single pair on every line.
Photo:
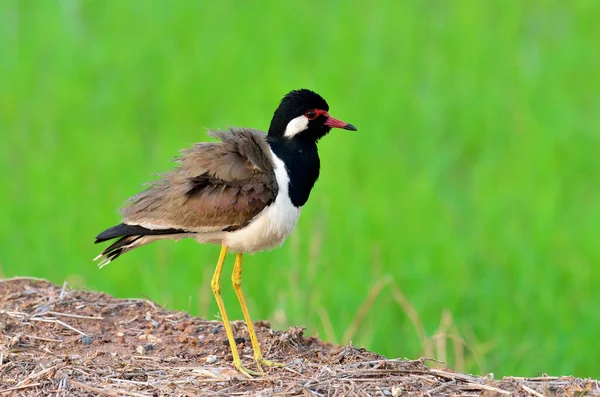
[155,324]
[211,359]
[396,391]
[179,326]
[190,329]
[148,316]
[15,340]
[140,350]
[239,340]
[86,340]
[387,393]
[148,347]
[153,339]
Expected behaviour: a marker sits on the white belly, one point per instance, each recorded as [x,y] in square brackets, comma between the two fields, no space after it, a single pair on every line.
[268,230]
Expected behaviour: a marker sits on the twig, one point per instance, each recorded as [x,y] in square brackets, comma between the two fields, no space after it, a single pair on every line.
[531,391]
[42,339]
[93,389]
[74,316]
[43,372]
[70,327]
[133,382]
[292,371]
[422,360]
[441,387]
[535,379]
[63,291]
[479,386]
[57,321]
[471,385]
[128,321]
[449,375]
[151,358]
[20,387]
[9,280]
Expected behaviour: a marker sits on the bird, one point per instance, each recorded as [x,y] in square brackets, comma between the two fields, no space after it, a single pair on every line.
[244,192]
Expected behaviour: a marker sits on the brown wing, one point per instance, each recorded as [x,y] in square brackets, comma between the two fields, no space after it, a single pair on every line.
[216,186]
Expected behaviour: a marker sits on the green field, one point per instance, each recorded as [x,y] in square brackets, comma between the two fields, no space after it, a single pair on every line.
[467,205]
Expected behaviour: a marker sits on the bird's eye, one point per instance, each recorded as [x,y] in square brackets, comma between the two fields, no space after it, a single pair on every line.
[311,114]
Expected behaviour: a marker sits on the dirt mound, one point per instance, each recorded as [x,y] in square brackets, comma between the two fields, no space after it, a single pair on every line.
[57,341]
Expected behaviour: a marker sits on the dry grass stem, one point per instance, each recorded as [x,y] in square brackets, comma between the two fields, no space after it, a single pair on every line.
[531,391]
[363,310]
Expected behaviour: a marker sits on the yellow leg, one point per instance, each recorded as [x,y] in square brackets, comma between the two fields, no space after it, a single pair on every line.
[236,280]
[216,288]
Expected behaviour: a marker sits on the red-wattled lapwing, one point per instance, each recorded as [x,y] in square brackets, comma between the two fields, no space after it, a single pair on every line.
[244,193]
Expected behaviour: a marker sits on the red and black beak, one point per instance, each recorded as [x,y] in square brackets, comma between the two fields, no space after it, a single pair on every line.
[335,123]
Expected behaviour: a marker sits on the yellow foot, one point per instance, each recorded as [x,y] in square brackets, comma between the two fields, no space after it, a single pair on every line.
[248,372]
[261,361]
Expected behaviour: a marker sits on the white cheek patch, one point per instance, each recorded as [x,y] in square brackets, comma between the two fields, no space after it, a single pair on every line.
[296,126]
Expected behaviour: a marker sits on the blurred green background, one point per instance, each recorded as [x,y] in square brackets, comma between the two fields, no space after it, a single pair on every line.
[461,221]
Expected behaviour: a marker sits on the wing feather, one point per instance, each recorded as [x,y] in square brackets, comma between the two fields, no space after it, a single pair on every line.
[215,186]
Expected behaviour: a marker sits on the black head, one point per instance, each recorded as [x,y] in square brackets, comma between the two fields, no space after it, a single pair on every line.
[303,114]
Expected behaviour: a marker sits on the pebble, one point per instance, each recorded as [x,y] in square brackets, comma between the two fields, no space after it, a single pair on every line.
[86,340]
[211,359]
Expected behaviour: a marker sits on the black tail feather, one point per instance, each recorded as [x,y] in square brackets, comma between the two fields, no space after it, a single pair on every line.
[124,230]
[129,235]
[121,246]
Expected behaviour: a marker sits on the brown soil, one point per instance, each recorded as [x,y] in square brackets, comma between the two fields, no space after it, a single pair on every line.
[56,341]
